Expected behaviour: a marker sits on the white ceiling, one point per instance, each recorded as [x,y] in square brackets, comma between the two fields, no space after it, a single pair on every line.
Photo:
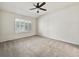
[23,7]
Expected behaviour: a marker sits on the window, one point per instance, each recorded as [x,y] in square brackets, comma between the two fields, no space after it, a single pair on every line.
[22,25]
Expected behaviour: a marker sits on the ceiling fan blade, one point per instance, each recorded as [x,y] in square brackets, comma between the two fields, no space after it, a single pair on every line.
[34,5]
[43,9]
[42,4]
[38,4]
[32,8]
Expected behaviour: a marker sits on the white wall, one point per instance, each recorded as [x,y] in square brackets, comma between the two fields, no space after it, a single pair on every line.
[61,25]
[7,28]
[0,25]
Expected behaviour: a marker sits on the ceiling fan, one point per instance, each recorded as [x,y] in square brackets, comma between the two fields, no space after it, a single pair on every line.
[38,6]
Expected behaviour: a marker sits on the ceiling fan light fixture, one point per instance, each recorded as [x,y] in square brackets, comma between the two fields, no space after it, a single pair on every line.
[38,7]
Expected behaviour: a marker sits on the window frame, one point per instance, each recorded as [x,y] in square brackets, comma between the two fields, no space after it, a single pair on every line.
[20,29]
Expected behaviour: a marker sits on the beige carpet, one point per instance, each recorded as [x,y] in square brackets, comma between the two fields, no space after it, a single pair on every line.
[37,46]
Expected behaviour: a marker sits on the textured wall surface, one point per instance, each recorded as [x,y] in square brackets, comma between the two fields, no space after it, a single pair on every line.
[61,25]
[7,27]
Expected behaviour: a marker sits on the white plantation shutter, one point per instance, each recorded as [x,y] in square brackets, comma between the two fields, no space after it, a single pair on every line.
[29,26]
[22,25]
